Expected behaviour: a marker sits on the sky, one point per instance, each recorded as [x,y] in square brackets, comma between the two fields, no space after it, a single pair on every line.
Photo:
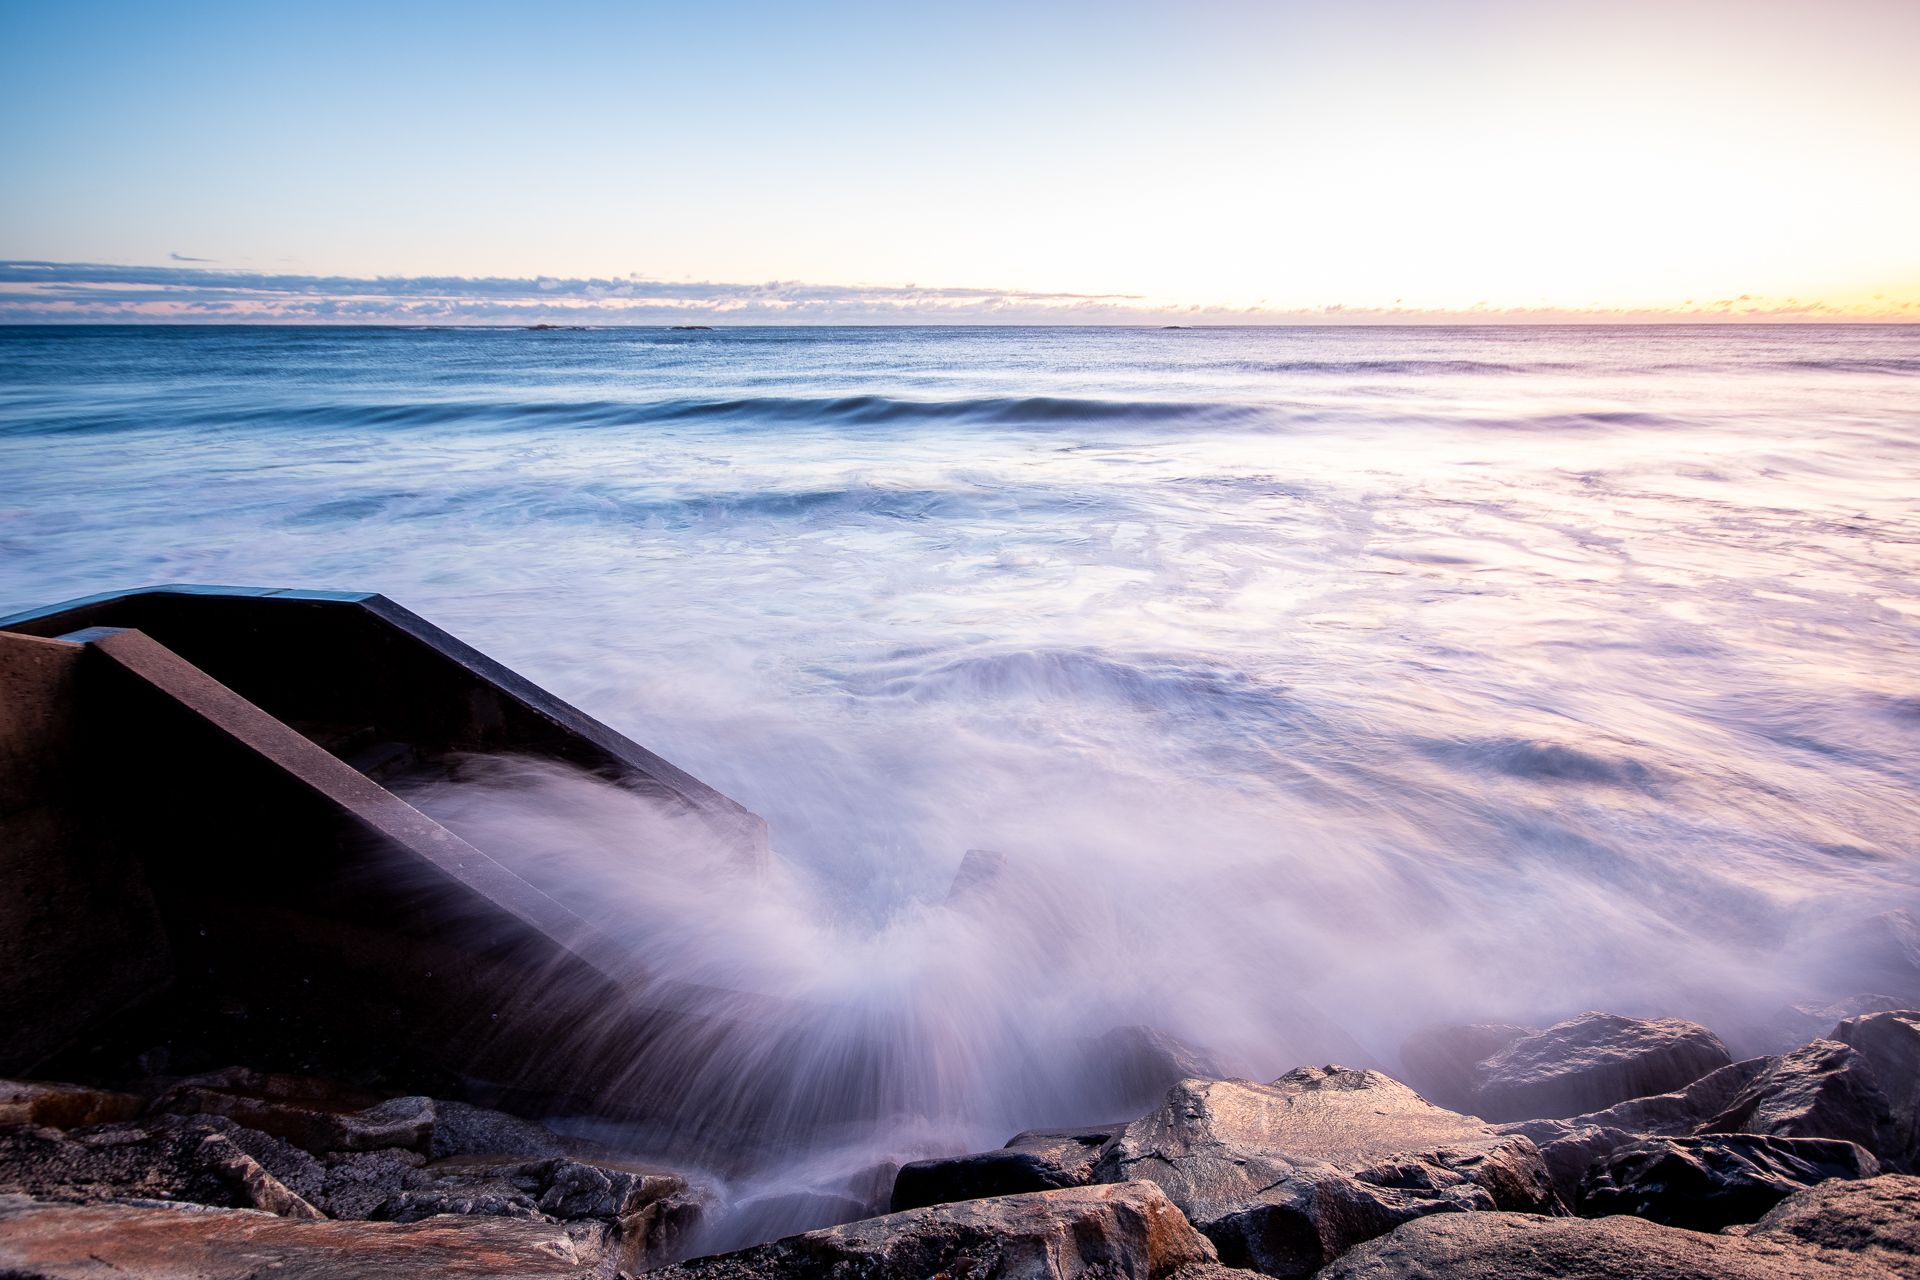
[1382,156]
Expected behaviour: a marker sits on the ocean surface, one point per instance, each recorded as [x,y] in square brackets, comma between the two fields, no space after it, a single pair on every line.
[1317,684]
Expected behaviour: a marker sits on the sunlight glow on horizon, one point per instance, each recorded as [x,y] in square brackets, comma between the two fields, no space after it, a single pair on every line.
[1615,155]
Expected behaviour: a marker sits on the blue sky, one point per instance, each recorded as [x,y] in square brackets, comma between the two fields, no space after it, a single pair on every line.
[1281,156]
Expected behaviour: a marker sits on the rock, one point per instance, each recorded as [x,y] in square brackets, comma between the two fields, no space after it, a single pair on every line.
[50,1240]
[975,1177]
[1440,1061]
[138,1162]
[307,1113]
[1796,1024]
[1704,1184]
[1287,1176]
[1591,1062]
[1035,1160]
[461,1129]
[64,1106]
[1890,1042]
[357,1183]
[1130,1231]
[1131,1068]
[1852,1225]
[1571,1146]
[1514,1246]
[1825,1090]
[498,1202]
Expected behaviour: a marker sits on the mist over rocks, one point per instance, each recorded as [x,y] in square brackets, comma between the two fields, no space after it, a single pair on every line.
[1890,1041]
[1707,1183]
[1440,1061]
[1591,1062]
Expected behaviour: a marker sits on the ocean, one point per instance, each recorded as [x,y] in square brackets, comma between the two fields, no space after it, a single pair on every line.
[1317,684]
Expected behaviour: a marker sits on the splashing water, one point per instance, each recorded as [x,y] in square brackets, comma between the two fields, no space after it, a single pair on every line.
[1316,684]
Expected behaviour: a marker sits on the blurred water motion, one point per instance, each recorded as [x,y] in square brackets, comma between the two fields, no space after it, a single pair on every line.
[1316,684]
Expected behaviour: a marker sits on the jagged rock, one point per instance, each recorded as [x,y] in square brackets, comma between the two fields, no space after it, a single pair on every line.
[1890,1042]
[313,1115]
[1570,1147]
[1796,1024]
[1285,1177]
[64,1106]
[1516,1246]
[1034,1160]
[1704,1184]
[1440,1061]
[1824,1090]
[42,1239]
[357,1183]
[299,1172]
[1126,1232]
[129,1161]
[480,1201]
[461,1129]
[1854,1226]
[1131,1068]
[1591,1062]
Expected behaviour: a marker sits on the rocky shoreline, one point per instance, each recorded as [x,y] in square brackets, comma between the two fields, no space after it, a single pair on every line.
[1614,1146]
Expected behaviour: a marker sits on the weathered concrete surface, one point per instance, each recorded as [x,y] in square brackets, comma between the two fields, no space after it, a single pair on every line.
[64,1106]
[1130,1231]
[80,935]
[1704,1184]
[1513,1246]
[1871,1223]
[1890,1042]
[1592,1062]
[1440,1061]
[1824,1090]
[87,1242]
[1287,1176]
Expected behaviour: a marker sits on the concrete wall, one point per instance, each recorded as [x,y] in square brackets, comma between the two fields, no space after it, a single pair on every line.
[80,935]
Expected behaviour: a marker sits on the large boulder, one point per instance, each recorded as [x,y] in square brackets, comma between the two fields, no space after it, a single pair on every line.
[1704,1184]
[1592,1062]
[315,1115]
[1126,1232]
[44,1239]
[1513,1246]
[1285,1177]
[1440,1061]
[461,1129]
[1855,1226]
[1823,1090]
[1035,1160]
[1890,1042]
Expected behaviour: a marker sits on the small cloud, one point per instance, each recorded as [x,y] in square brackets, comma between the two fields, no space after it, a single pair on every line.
[181,257]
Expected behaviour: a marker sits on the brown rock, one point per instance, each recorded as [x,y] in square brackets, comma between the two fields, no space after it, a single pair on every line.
[314,1115]
[1130,1231]
[1515,1246]
[1855,1226]
[129,1161]
[1591,1062]
[64,1106]
[1287,1176]
[62,1241]
[1890,1042]
[1825,1090]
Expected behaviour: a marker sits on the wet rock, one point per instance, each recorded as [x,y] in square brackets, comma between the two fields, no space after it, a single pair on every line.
[1592,1062]
[313,1115]
[139,1162]
[1440,1061]
[1890,1042]
[1287,1176]
[1568,1149]
[1704,1184]
[44,1239]
[496,1202]
[1130,1231]
[975,1177]
[1514,1246]
[462,1129]
[1073,1152]
[1824,1090]
[357,1183]
[1132,1068]
[1854,1226]
[1796,1024]
[64,1106]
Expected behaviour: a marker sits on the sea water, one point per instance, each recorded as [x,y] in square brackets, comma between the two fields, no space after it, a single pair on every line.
[1317,684]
